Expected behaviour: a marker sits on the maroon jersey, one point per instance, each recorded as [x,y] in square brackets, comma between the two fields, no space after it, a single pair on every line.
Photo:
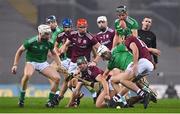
[106,38]
[143,51]
[91,73]
[81,45]
[61,38]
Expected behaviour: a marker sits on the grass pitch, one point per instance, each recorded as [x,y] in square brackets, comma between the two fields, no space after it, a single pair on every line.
[37,105]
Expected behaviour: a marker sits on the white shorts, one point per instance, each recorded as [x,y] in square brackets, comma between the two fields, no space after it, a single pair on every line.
[143,65]
[39,66]
[70,66]
[66,63]
[110,85]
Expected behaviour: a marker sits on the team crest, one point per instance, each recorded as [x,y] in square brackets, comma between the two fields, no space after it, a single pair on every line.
[107,35]
[84,42]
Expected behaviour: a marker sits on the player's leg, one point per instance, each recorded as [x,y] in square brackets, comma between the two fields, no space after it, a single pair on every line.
[125,80]
[53,75]
[75,95]
[68,74]
[28,71]
[61,70]
[104,95]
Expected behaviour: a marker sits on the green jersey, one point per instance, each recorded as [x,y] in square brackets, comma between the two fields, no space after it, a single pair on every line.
[130,23]
[55,34]
[54,37]
[121,58]
[37,51]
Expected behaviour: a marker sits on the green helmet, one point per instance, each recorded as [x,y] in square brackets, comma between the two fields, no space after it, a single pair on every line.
[81,60]
[121,9]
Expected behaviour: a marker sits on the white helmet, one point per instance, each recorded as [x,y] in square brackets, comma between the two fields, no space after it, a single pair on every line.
[102,18]
[44,29]
[102,49]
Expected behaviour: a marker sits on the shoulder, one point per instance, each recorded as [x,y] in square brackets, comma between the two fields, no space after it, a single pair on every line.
[131,21]
[31,40]
[96,69]
[152,33]
[73,33]
[110,30]
[61,34]
[59,29]
[98,33]
[89,35]
[116,21]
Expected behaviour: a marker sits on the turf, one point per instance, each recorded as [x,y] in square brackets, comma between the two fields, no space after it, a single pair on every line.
[33,105]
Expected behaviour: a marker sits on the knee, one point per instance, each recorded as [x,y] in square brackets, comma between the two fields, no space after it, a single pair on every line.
[57,79]
[113,81]
[98,105]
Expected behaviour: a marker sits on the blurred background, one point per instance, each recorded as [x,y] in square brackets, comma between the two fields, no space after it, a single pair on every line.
[20,18]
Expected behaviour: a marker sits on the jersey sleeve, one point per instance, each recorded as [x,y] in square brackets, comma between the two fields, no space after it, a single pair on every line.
[51,46]
[26,44]
[154,46]
[135,25]
[59,38]
[97,71]
[94,41]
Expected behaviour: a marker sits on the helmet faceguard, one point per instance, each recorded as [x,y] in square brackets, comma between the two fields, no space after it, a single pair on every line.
[51,18]
[102,49]
[81,60]
[121,9]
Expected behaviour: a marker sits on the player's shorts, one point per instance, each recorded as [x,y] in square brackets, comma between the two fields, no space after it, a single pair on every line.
[69,66]
[143,65]
[72,67]
[39,66]
[66,63]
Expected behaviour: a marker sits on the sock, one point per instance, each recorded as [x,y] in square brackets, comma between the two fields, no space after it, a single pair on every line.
[94,94]
[117,97]
[124,100]
[51,95]
[58,91]
[121,98]
[146,89]
[22,95]
[140,92]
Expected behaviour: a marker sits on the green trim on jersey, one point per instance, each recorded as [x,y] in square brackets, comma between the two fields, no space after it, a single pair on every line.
[130,23]
[37,51]
[121,58]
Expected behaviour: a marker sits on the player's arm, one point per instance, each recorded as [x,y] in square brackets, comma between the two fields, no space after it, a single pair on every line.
[56,48]
[135,53]
[76,93]
[16,58]
[104,83]
[65,46]
[154,45]
[94,52]
[95,61]
[106,73]
[134,32]
[154,51]
[56,58]
[116,40]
